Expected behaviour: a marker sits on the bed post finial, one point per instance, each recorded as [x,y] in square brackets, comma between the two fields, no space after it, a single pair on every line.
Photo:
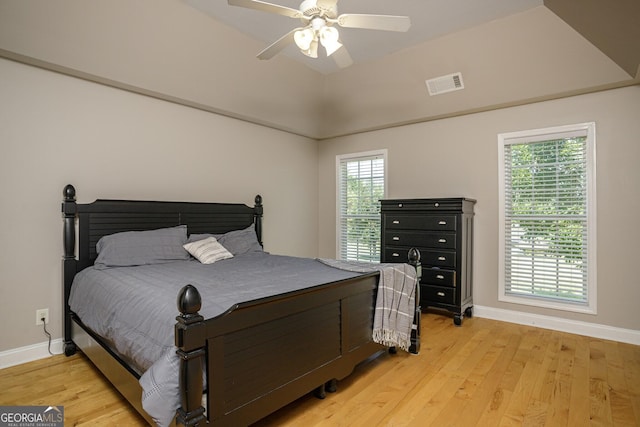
[69,193]
[190,340]
[257,217]
[189,301]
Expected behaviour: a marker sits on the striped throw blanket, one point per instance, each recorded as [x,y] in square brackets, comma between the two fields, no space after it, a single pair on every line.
[395,304]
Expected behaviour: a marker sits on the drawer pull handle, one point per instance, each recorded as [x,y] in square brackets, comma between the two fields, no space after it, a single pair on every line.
[396,222]
[441,258]
[396,238]
[440,276]
[442,241]
[395,254]
[442,223]
[399,205]
[440,294]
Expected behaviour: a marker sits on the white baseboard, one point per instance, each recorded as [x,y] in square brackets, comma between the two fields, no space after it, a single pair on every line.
[29,353]
[557,324]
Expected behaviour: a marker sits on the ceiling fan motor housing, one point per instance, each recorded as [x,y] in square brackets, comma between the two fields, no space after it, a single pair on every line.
[310,8]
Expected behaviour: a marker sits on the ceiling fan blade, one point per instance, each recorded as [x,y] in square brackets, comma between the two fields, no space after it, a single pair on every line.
[342,57]
[276,47]
[267,7]
[375,22]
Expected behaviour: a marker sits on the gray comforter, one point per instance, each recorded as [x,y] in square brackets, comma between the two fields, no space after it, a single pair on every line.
[134,308]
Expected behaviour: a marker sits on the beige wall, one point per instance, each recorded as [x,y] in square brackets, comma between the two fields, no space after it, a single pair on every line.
[110,143]
[458,157]
[528,56]
[170,49]
[56,130]
[167,48]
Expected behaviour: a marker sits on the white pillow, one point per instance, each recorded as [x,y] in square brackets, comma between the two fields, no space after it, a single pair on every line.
[208,250]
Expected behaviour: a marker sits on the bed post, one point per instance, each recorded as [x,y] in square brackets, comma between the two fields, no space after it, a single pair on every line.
[414,260]
[68,261]
[190,340]
[257,216]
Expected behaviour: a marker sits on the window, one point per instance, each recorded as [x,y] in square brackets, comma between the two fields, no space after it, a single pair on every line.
[361,184]
[547,217]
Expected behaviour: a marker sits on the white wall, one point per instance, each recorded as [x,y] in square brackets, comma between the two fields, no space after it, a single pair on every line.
[110,143]
[458,157]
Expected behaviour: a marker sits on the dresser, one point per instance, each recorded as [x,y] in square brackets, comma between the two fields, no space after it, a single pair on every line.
[442,230]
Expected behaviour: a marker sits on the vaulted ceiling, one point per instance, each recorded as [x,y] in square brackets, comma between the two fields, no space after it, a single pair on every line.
[508,52]
[429,18]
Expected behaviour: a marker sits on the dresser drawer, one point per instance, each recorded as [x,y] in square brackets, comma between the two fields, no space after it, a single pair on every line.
[433,276]
[428,257]
[445,240]
[438,294]
[438,258]
[421,222]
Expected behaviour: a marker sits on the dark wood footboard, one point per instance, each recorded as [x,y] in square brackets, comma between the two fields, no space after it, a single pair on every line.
[265,354]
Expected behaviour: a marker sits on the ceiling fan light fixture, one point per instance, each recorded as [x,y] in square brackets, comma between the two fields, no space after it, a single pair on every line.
[312,52]
[304,38]
[329,38]
[318,18]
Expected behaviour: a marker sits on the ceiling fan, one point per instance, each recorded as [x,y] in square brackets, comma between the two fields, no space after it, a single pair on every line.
[319,18]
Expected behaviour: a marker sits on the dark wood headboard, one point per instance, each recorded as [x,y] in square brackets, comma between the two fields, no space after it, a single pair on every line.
[104,217]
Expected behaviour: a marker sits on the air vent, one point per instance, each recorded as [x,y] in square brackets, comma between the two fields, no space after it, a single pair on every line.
[445,84]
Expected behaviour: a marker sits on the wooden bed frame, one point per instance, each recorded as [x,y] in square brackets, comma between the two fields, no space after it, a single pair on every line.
[260,355]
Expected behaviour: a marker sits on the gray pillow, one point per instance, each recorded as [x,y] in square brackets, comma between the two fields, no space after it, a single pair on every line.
[131,248]
[241,241]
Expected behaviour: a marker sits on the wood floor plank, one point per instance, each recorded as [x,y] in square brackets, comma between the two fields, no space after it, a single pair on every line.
[484,373]
[621,406]
[631,360]
[599,393]
[558,391]
[486,394]
[579,403]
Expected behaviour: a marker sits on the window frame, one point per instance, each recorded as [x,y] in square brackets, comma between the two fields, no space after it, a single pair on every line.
[383,153]
[540,135]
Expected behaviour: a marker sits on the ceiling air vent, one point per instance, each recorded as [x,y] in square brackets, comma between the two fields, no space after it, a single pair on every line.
[445,84]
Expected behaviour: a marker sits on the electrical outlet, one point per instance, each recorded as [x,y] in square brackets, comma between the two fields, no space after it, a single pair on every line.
[40,314]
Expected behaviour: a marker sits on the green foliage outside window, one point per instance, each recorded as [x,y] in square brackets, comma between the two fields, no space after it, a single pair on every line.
[547,228]
[363,188]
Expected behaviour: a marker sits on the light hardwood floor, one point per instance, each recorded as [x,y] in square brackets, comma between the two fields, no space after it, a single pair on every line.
[485,373]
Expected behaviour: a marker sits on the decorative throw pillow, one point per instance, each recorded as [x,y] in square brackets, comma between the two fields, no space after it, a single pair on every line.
[131,248]
[208,250]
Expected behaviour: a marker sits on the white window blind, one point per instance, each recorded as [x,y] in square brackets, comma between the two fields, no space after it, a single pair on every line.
[547,225]
[361,185]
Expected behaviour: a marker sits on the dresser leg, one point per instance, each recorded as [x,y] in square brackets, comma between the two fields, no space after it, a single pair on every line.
[457,319]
